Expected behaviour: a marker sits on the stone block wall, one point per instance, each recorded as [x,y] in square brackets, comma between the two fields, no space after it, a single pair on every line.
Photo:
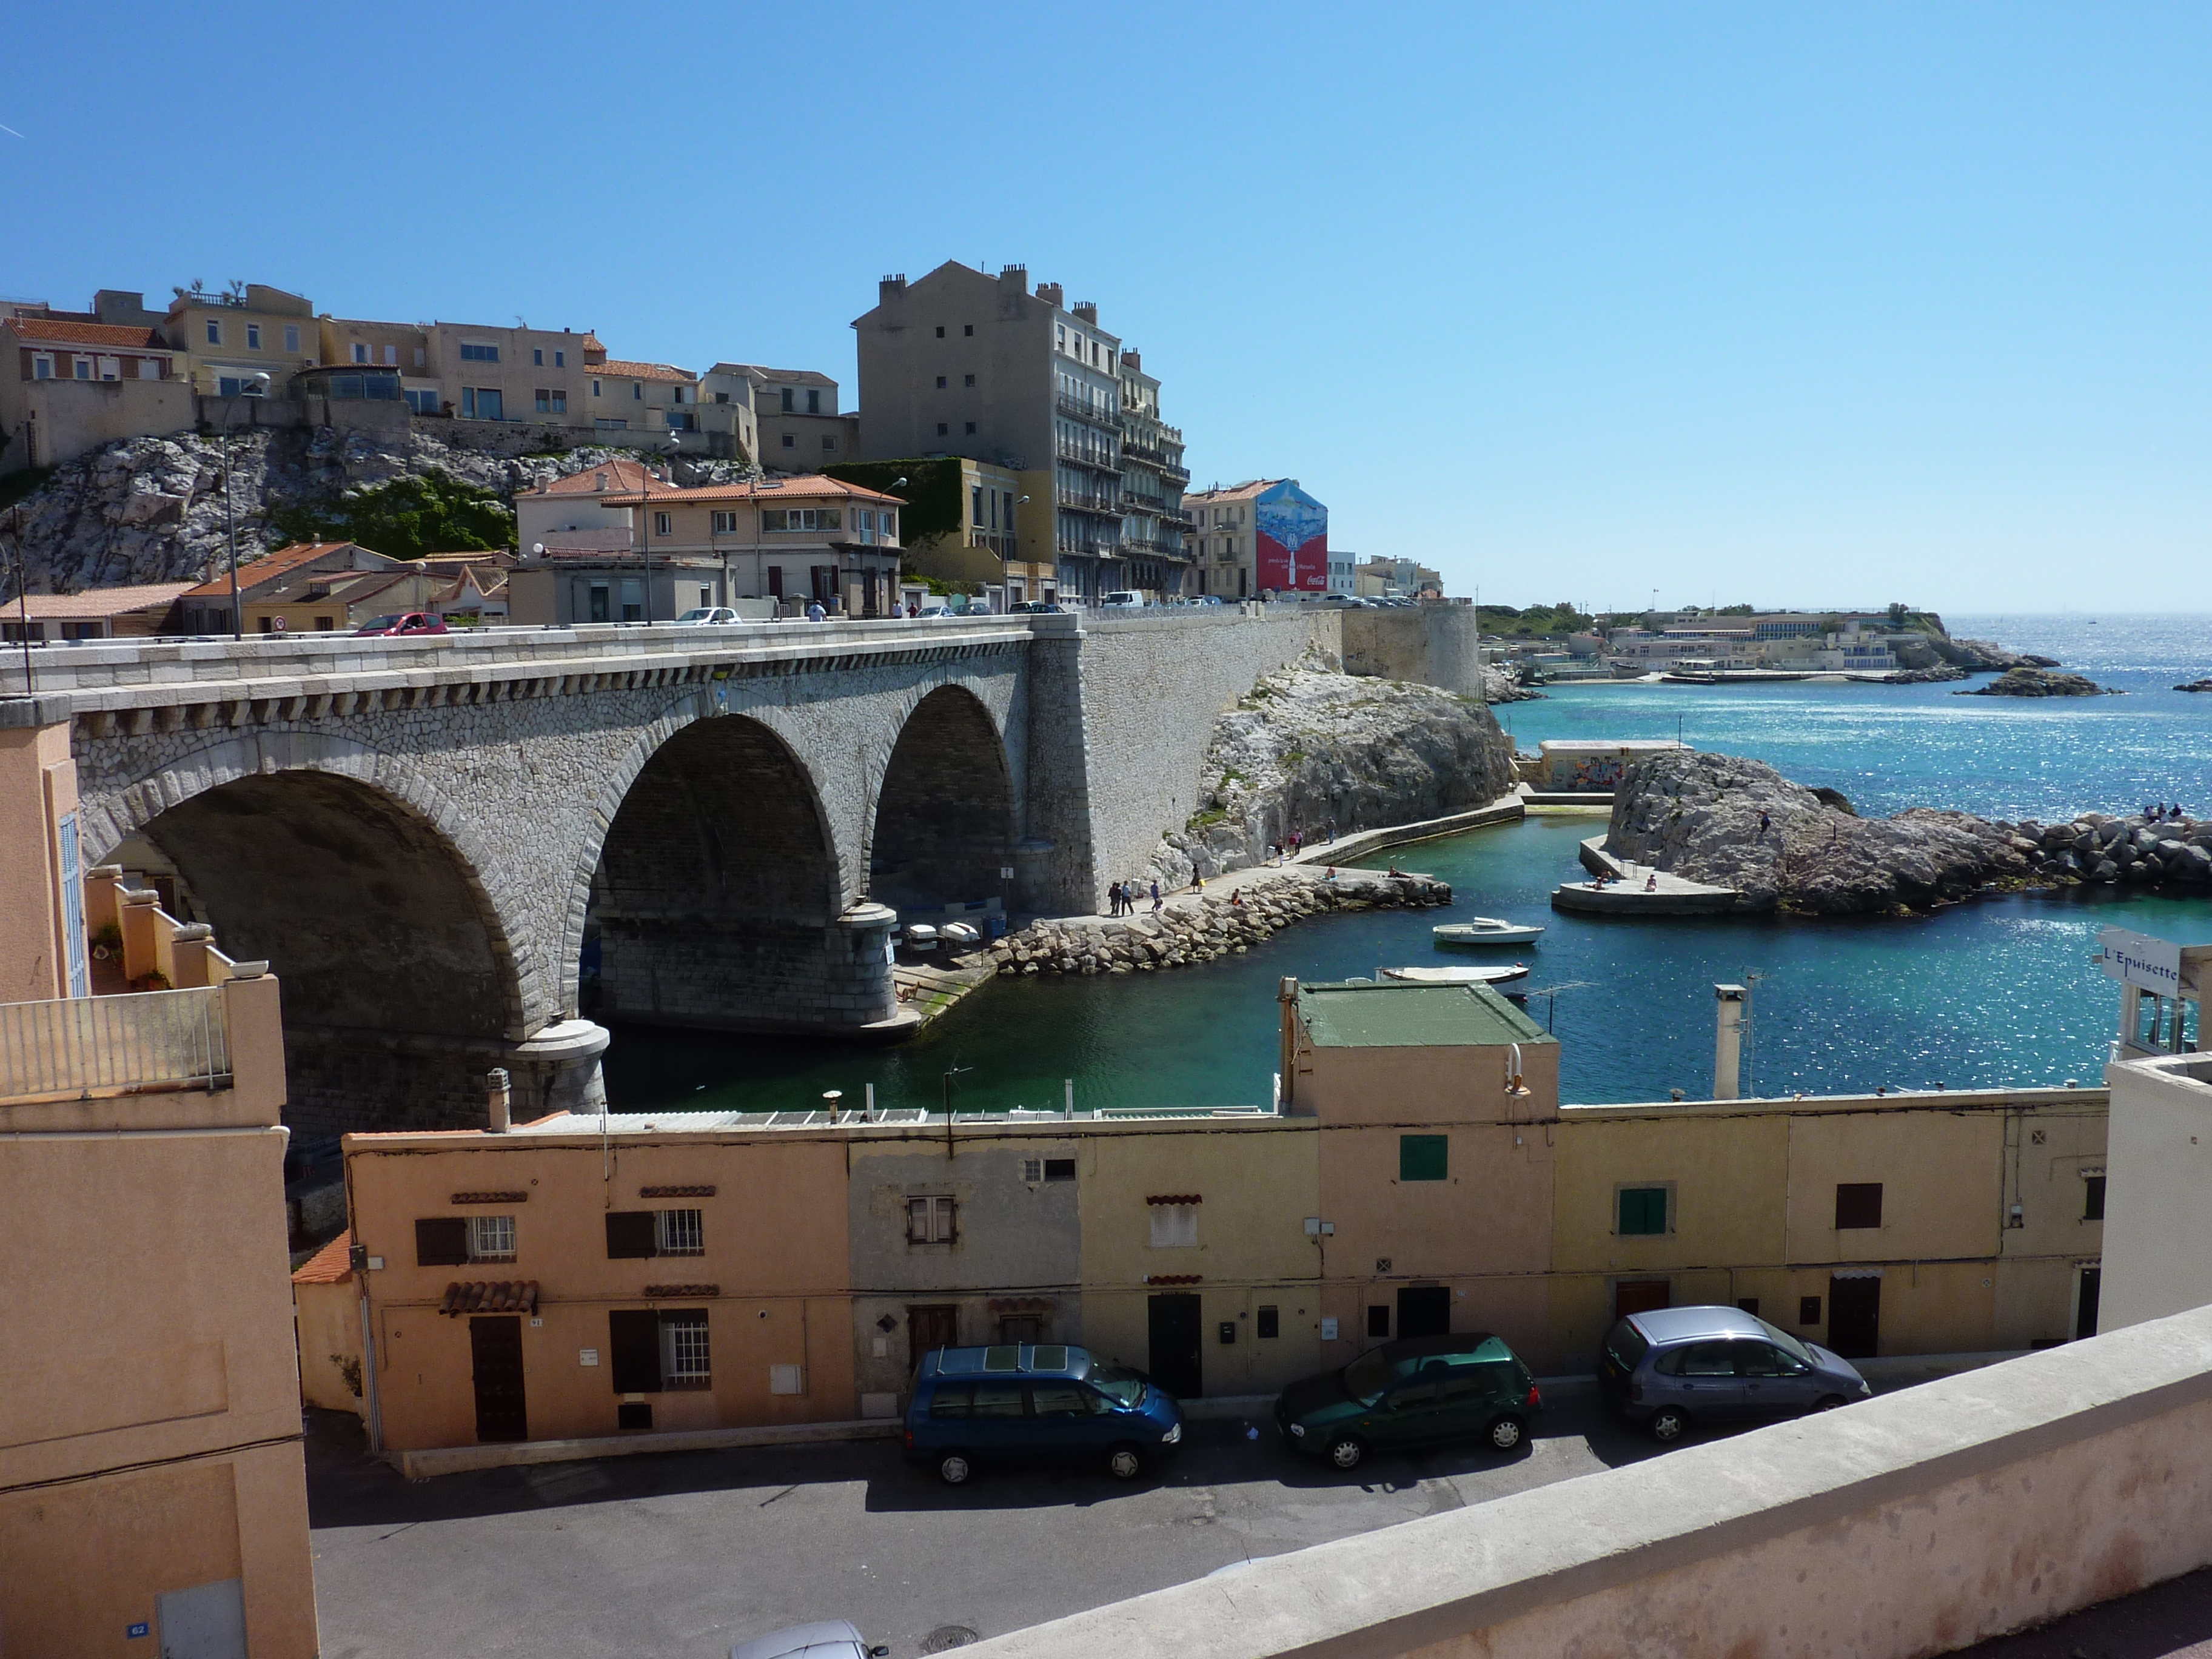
[1432,644]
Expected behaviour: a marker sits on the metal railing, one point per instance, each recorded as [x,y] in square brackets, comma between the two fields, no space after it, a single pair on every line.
[1082,411]
[1088,502]
[1094,459]
[81,1044]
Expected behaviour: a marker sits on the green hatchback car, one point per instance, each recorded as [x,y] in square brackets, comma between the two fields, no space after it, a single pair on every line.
[1419,1391]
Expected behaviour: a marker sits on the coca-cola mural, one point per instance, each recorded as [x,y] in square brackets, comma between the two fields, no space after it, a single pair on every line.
[1291,540]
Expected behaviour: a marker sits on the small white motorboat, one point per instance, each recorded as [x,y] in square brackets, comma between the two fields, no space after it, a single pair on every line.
[958,936]
[920,936]
[1485,930]
[1459,975]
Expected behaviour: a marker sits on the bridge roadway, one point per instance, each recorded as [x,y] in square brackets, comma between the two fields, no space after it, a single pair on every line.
[443,845]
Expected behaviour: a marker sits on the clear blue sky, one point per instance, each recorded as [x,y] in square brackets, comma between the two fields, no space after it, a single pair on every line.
[1784,304]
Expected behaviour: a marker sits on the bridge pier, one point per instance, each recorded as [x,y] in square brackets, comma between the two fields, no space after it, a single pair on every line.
[748,975]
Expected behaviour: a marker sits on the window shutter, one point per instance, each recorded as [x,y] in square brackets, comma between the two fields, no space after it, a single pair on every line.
[1423,1157]
[633,1345]
[1858,1204]
[442,1241]
[630,1234]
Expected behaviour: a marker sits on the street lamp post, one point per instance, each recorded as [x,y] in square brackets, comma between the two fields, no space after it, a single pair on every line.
[260,382]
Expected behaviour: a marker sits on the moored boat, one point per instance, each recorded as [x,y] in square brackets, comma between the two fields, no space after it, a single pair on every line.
[1484,930]
[1459,975]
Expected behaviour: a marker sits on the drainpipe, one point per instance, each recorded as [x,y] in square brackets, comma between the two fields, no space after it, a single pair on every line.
[1727,1040]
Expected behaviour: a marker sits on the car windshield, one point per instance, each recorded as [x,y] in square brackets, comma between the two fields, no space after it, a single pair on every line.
[695,614]
[1365,1378]
[1626,1346]
[1789,1344]
[380,622]
[1123,1386]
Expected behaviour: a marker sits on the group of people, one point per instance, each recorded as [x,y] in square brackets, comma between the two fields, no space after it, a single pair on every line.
[1123,896]
[2160,811]
[1292,844]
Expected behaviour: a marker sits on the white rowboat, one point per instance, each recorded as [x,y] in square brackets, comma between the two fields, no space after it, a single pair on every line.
[1484,930]
[1458,975]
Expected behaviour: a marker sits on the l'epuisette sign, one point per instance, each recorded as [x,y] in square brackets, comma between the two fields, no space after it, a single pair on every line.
[2137,959]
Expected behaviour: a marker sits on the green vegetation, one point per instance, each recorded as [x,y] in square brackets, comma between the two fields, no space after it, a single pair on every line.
[1537,620]
[404,519]
[931,492]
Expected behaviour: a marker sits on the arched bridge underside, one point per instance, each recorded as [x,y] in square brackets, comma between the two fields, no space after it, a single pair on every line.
[438,873]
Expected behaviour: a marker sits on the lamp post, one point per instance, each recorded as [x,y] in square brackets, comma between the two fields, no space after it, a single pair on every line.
[260,384]
[1011,540]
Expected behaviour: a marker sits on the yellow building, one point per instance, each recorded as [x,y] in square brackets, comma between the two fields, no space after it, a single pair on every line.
[229,338]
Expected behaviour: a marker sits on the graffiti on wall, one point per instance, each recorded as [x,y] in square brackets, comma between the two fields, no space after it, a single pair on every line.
[1291,540]
[1600,772]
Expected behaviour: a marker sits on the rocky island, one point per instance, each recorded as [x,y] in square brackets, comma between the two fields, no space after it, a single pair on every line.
[1727,822]
[2031,682]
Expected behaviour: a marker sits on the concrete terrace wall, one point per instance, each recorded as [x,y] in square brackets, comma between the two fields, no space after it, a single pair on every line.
[1915,1524]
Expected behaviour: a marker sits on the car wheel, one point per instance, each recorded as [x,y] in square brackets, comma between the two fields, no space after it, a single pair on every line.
[953,1469]
[1506,1432]
[1344,1452]
[1828,1403]
[1125,1462]
[1668,1424]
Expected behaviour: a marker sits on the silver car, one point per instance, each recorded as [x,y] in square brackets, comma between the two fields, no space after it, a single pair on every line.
[833,1639]
[1670,1367]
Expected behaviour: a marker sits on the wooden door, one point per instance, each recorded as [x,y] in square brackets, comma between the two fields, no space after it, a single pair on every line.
[928,1328]
[1855,1317]
[1635,1296]
[1177,1359]
[2084,1307]
[496,1345]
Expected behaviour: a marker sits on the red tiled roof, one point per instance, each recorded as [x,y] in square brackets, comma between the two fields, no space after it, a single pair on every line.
[331,1265]
[617,368]
[813,488]
[97,601]
[490,1295]
[619,475]
[264,571]
[1235,492]
[92,334]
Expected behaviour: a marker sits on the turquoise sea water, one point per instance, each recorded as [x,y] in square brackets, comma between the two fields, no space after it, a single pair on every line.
[2002,991]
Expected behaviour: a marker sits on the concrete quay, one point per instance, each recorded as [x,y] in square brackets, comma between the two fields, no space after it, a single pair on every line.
[1633,890]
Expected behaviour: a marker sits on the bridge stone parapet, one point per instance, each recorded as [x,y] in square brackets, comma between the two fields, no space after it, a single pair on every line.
[449,847]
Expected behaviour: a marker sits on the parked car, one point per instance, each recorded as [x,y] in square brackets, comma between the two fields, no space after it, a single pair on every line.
[1670,1367]
[1034,608]
[1034,1403]
[1121,601]
[703,616]
[1420,1390]
[833,1639]
[401,623]
[937,613]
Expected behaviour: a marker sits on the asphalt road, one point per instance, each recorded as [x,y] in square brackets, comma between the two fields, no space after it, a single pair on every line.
[678,1555]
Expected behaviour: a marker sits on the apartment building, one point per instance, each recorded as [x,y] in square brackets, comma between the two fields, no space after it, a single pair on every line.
[152,1492]
[1378,577]
[958,528]
[793,413]
[1154,525]
[70,382]
[1260,537]
[249,329]
[961,362]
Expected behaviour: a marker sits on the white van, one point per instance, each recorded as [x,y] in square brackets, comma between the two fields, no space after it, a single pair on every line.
[1122,601]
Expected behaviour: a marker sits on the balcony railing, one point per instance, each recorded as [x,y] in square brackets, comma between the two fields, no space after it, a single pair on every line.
[1108,418]
[152,1039]
[1090,545]
[1089,501]
[1089,458]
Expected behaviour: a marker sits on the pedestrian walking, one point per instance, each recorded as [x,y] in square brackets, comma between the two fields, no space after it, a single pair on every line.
[1157,900]
[1114,900]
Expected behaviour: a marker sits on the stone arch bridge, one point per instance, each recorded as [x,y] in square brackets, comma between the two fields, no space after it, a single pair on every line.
[441,845]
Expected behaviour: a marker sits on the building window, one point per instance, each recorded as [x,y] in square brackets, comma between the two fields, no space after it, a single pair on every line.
[1269,1323]
[418,356]
[492,1238]
[1858,1204]
[422,400]
[790,443]
[684,1349]
[1808,1311]
[814,402]
[803,518]
[42,368]
[1423,1157]
[559,360]
[2093,1198]
[680,1232]
[975,504]
[661,525]
[944,429]
[483,403]
[595,388]
[931,1221]
[971,428]
[969,379]
[1643,1211]
[480,354]
[967,328]
[636,393]
[1048,1168]
[536,357]
[82,368]
[291,336]
[1174,1226]
[725,523]
[391,356]
[360,352]
[323,624]
[790,400]
[552,400]
[214,332]
[940,331]
[940,383]
[253,337]
[1378,1321]
[829,441]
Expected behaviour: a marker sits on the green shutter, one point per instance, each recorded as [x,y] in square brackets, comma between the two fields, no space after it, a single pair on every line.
[1422,1157]
[1643,1210]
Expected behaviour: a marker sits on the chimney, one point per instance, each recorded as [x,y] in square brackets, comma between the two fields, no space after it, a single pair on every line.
[889,288]
[1132,357]
[1052,293]
[1728,1041]
[496,1101]
[1015,278]
[1088,310]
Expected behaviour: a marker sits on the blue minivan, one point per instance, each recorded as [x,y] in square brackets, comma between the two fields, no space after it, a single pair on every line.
[1670,1367]
[1034,1403]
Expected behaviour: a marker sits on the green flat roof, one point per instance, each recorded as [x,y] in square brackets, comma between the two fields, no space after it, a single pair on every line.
[1394,1015]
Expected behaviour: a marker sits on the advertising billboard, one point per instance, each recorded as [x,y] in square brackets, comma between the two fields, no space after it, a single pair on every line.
[1290,544]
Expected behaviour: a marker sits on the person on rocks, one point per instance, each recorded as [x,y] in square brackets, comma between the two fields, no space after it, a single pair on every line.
[1236,897]
[1765,823]
[1157,900]
[1651,882]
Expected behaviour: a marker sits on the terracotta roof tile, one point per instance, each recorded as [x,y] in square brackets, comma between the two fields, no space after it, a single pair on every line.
[619,475]
[91,334]
[331,1265]
[265,570]
[617,369]
[97,601]
[812,488]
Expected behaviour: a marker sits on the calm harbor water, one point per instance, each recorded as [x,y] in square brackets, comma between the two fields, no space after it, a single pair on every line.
[2003,991]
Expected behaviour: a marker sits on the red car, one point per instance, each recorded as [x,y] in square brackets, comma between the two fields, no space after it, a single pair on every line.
[404,622]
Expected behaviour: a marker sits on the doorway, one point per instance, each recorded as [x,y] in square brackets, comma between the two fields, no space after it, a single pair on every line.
[495,1345]
[1176,1357]
[1424,1310]
[1635,1296]
[929,1328]
[2085,1303]
[1855,1316]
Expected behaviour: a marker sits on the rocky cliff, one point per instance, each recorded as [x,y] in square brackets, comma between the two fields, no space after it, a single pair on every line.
[151,509]
[2038,683]
[1309,747]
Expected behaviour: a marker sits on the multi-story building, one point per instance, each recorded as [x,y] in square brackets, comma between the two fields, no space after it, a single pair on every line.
[791,412]
[1153,523]
[957,529]
[71,382]
[153,1489]
[1378,577]
[963,363]
[249,329]
[1264,536]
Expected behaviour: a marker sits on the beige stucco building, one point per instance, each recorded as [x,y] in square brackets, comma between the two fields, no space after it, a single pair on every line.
[70,382]
[152,1489]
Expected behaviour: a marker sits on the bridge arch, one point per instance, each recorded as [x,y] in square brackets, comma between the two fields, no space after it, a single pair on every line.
[943,824]
[388,926]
